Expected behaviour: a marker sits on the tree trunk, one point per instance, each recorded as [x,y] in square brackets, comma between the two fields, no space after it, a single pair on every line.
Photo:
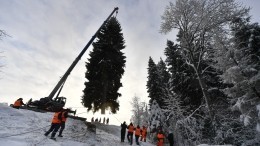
[104,99]
[205,94]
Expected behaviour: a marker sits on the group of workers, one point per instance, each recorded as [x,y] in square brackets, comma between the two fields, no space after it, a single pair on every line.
[142,133]
[161,137]
[58,120]
[137,131]
[60,117]
[104,120]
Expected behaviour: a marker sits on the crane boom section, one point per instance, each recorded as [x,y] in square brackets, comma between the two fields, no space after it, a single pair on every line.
[64,77]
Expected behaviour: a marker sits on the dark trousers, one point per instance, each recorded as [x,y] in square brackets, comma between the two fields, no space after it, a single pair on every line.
[170,138]
[54,128]
[171,143]
[17,107]
[62,126]
[130,137]
[143,137]
[122,136]
[137,139]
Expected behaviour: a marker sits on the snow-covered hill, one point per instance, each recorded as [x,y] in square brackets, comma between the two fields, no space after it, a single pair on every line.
[26,128]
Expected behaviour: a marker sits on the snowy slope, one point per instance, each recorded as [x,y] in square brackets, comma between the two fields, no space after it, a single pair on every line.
[26,128]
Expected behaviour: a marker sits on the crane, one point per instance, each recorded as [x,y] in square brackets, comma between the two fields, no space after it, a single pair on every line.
[50,103]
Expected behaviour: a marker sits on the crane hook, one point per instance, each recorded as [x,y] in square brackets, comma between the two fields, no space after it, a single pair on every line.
[116,11]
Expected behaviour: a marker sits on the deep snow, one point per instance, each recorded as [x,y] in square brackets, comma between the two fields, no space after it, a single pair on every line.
[20,127]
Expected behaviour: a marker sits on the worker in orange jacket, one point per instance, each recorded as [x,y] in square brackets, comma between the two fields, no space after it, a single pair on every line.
[130,133]
[64,116]
[160,138]
[137,134]
[18,103]
[55,124]
[143,134]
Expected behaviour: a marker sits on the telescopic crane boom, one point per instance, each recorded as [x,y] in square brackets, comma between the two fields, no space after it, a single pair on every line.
[59,102]
[64,77]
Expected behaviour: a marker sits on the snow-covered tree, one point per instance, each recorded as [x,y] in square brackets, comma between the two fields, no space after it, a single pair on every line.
[183,80]
[155,115]
[242,70]
[153,84]
[164,77]
[185,86]
[105,69]
[196,22]
[140,112]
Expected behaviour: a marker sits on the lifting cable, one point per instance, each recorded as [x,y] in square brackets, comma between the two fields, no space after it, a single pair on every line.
[115,117]
[81,113]
[24,132]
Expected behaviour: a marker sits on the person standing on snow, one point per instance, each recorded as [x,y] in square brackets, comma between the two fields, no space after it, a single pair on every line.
[170,138]
[107,120]
[160,138]
[137,134]
[104,120]
[18,103]
[123,130]
[130,133]
[144,133]
[55,124]
[64,116]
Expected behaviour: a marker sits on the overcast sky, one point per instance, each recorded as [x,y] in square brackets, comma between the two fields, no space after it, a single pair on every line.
[47,35]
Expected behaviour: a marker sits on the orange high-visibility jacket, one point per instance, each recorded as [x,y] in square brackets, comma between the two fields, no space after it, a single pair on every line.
[17,103]
[144,131]
[138,131]
[56,118]
[160,137]
[131,128]
[64,118]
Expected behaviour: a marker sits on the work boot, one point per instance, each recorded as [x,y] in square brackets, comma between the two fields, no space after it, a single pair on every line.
[47,133]
[60,136]
[53,138]
[53,134]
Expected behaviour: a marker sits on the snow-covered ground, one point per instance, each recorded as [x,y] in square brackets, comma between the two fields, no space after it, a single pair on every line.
[26,128]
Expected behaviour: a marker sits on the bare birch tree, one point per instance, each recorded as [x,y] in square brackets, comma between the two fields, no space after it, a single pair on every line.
[139,111]
[2,34]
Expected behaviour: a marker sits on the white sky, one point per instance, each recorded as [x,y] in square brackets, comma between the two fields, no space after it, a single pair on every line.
[47,35]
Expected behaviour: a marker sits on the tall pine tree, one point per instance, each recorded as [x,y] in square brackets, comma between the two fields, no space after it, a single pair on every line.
[183,80]
[153,83]
[164,77]
[105,69]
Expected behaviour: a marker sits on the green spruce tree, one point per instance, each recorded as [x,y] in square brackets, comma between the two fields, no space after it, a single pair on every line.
[164,77]
[153,83]
[105,69]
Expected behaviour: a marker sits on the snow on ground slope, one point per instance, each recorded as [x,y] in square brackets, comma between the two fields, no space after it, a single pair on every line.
[26,128]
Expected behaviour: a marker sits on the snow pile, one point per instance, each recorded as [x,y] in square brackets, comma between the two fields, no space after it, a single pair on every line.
[26,128]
